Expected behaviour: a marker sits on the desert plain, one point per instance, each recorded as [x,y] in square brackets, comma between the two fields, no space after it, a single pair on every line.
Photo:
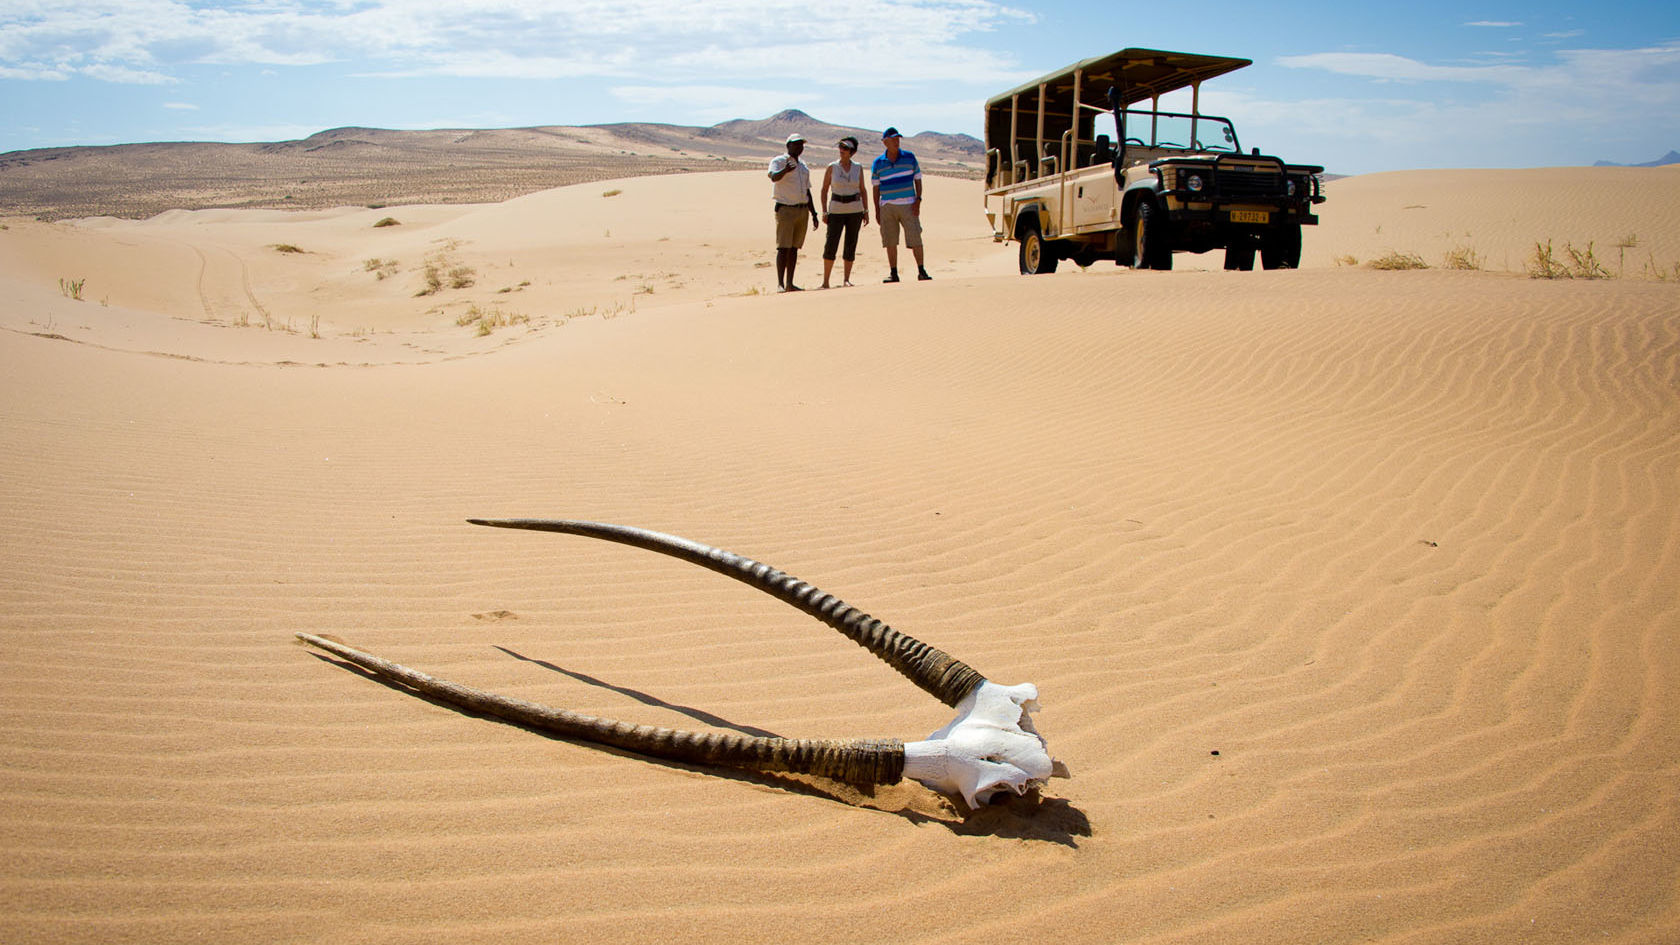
[1352,594]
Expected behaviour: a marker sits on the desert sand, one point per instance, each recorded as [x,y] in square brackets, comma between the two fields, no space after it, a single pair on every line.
[1351,595]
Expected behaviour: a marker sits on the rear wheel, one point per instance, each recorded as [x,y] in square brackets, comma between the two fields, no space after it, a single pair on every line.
[1150,249]
[1037,256]
[1282,248]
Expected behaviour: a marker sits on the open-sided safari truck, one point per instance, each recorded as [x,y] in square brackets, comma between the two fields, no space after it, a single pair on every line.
[1074,171]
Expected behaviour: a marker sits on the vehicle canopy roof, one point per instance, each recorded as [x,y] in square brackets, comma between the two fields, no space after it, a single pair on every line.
[1133,74]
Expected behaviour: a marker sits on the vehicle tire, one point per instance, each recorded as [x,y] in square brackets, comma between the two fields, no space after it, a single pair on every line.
[1150,249]
[1239,255]
[1282,248]
[1037,256]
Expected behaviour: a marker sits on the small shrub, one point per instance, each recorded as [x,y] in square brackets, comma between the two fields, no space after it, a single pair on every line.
[1347,260]
[1398,260]
[1582,264]
[611,193]
[461,277]
[381,268]
[71,288]
[388,221]
[286,248]
[1543,265]
[433,278]
[1463,257]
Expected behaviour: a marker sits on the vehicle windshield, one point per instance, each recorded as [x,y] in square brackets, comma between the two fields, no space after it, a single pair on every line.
[1174,131]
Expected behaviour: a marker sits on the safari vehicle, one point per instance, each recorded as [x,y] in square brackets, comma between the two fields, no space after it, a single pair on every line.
[1075,171]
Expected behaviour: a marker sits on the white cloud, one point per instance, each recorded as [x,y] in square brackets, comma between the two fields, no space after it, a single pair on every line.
[144,41]
[1574,107]
[1590,84]
[181,106]
[1387,66]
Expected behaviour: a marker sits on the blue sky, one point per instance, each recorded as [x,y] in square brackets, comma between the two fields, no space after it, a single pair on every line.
[1357,88]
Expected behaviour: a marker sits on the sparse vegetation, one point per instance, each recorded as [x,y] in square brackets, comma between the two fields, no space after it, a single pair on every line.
[381,268]
[1582,264]
[1347,259]
[488,320]
[286,248]
[1653,271]
[443,269]
[1396,260]
[388,221]
[71,288]
[1622,246]
[1463,257]
[611,193]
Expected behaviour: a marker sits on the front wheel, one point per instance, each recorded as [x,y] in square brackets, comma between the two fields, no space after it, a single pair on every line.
[1282,248]
[1239,253]
[1150,249]
[1037,256]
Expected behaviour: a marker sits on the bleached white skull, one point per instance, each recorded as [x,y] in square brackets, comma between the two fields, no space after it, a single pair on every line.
[990,747]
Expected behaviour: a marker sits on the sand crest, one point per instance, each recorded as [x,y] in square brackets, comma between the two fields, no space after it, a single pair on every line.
[1350,594]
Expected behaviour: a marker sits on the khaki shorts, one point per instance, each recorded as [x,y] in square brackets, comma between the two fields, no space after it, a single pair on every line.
[896,215]
[791,221]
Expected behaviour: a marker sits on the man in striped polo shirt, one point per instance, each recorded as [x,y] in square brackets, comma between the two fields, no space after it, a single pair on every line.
[898,202]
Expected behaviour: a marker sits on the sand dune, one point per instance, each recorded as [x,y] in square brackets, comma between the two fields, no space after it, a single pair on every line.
[1350,594]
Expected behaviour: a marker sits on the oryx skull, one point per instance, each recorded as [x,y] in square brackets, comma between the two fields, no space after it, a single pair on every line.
[990,747]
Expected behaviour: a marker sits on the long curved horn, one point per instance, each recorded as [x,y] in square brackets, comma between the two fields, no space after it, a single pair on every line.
[854,761]
[949,679]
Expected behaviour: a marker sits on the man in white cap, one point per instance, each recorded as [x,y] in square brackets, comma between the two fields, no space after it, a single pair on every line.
[791,181]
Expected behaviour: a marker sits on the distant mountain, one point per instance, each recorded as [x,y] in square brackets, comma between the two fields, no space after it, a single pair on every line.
[777,127]
[1672,157]
[382,167]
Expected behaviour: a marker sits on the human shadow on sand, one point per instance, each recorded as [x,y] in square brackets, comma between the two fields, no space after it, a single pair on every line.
[1032,816]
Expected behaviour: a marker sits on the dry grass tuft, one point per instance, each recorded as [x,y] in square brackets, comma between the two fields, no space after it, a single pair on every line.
[287,248]
[1463,257]
[388,221]
[1396,260]
[488,320]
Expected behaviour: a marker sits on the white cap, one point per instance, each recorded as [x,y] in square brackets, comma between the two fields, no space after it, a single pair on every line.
[796,136]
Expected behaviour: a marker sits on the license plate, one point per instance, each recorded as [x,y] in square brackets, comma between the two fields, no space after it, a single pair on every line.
[1250,216]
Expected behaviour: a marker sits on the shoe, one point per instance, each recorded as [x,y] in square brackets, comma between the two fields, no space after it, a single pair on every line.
[891,278]
[793,288]
[922,276]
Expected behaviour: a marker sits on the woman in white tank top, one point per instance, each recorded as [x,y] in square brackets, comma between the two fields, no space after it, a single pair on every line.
[845,199]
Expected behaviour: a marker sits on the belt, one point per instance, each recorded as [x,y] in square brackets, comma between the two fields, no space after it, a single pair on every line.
[846,198]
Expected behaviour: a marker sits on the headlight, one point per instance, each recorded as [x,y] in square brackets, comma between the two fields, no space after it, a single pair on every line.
[1291,189]
[1194,183]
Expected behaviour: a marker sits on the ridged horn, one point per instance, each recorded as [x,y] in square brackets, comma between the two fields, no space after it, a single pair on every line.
[949,679]
[854,761]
